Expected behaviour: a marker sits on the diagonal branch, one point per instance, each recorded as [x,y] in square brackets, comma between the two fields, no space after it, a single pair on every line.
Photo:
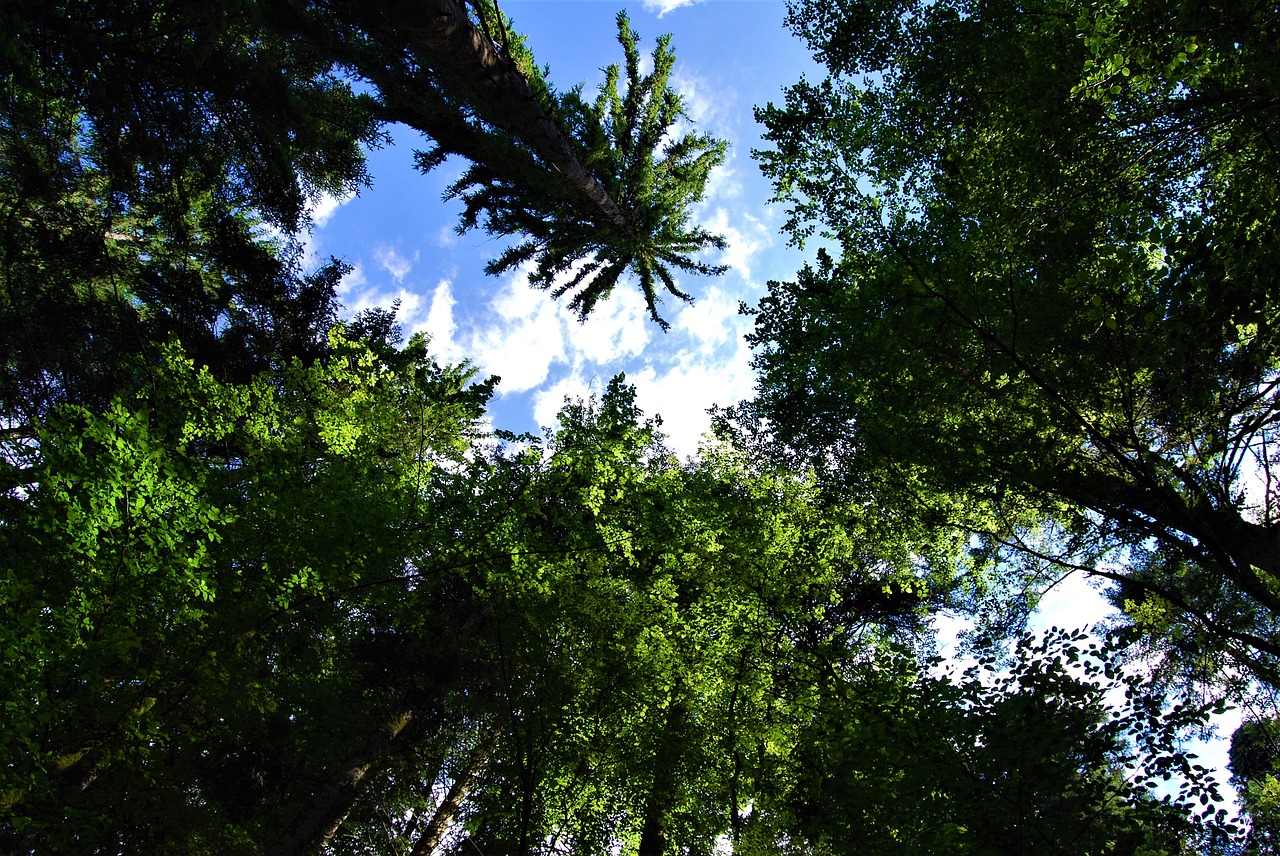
[442,33]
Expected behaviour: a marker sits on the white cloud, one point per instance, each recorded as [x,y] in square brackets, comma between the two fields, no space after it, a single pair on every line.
[526,333]
[712,105]
[411,308]
[746,236]
[617,328]
[447,237]
[1073,603]
[682,394]
[395,264]
[354,281]
[724,184]
[662,7]
[323,207]
[538,346]
[712,320]
[527,338]
[415,313]
[439,325]
[646,60]
[320,210]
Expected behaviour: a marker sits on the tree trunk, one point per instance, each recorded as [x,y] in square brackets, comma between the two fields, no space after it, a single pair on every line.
[653,833]
[449,44]
[448,808]
[322,817]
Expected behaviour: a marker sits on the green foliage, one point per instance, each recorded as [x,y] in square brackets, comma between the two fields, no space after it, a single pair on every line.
[165,93]
[1253,772]
[592,192]
[1026,756]
[142,150]
[646,599]
[625,140]
[145,601]
[219,590]
[1038,290]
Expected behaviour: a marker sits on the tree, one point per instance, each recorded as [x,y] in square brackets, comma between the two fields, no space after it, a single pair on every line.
[1040,308]
[1253,772]
[595,190]
[141,148]
[228,532]
[642,631]
[267,584]
[1022,756]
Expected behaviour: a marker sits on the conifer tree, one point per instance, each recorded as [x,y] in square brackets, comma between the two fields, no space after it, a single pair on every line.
[592,191]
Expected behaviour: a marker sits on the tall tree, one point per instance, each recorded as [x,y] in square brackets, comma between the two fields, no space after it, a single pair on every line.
[593,191]
[501,82]
[1040,292]
[141,147]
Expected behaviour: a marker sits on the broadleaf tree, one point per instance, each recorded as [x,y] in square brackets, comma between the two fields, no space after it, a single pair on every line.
[1041,290]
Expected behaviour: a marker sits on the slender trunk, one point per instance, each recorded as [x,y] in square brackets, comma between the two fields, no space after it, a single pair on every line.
[653,833]
[449,44]
[322,817]
[448,808]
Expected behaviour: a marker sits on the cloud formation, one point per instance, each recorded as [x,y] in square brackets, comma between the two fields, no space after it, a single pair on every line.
[438,323]
[711,321]
[323,207]
[662,7]
[745,234]
[522,338]
[681,393]
[394,263]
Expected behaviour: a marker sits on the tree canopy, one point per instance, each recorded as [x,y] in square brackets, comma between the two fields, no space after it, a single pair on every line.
[271,584]
[1041,294]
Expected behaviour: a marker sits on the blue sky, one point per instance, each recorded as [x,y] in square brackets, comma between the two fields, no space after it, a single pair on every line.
[398,234]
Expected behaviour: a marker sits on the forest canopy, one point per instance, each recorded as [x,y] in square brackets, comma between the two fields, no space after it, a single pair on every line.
[271,582]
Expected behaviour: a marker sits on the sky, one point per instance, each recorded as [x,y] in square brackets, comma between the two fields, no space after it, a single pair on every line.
[398,236]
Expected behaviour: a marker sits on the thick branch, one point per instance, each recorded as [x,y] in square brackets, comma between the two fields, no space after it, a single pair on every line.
[1233,546]
[320,819]
[442,33]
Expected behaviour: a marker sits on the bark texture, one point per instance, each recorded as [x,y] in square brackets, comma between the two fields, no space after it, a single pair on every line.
[322,817]
[443,34]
